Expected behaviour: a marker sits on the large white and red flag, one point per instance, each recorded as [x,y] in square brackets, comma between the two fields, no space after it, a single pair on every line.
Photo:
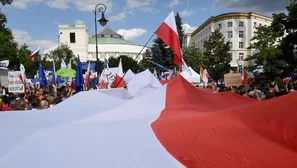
[34,54]
[172,126]
[167,32]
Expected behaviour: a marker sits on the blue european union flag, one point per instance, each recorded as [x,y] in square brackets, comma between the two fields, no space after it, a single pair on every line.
[79,79]
[41,75]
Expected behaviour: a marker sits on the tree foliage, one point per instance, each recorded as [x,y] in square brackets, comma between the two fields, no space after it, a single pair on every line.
[216,56]
[193,57]
[285,26]
[269,54]
[6,2]
[63,52]
[275,45]
[8,46]
[179,28]
[127,63]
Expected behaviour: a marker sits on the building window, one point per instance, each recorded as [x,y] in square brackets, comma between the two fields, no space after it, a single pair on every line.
[241,24]
[220,25]
[230,34]
[72,37]
[241,56]
[255,24]
[260,24]
[206,30]
[209,29]
[240,34]
[240,44]
[230,24]
[231,45]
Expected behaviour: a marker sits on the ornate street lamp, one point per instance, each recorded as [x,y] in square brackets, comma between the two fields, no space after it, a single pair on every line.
[103,21]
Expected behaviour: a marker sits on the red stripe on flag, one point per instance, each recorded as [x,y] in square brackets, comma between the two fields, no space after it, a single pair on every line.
[226,130]
[168,36]
[34,55]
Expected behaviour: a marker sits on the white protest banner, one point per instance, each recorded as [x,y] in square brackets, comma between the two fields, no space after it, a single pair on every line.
[15,84]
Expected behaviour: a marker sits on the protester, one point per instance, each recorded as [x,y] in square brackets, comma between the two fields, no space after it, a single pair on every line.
[5,104]
[35,103]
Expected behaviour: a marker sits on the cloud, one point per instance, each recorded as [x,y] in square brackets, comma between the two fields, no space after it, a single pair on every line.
[120,17]
[174,3]
[139,3]
[79,22]
[23,37]
[187,13]
[61,4]
[131,34]
[254,5]
[82,5]
[23,4]
[89,5]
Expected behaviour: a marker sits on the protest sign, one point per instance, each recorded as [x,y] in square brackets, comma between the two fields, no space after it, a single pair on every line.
[15,85]
[232,79]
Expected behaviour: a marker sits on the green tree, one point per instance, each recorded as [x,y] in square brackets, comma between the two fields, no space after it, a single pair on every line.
[127,63]
[143,65]
[8,47]
[216,56]
[285,26]
[269,54]
[179,28]
[63,52]
[193,57]
[4,2]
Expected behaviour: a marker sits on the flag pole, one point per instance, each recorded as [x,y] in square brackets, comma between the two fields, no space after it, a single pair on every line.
[137,57]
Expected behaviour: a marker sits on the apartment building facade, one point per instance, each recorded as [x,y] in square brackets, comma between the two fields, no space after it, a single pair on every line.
[237,27]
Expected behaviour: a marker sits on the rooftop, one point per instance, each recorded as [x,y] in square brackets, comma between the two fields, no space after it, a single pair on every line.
[108,36]
[223,16]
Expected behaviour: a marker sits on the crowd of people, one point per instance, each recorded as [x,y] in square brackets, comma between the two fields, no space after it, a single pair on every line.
[37,98]
[260,91]
[34,98]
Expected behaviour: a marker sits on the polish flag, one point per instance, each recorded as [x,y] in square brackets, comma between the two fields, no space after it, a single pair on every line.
[167,32]
[102,85]
[244,77]
[119,81]
[88,75]
[34,54]
[174,126]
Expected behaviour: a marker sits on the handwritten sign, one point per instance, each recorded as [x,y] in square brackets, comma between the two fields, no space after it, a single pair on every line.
[232,79]
[15,84]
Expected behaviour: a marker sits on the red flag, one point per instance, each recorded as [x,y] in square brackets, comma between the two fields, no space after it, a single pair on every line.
[244,77]
[118,82]
[34,55]
[167,32]
[102,85]
[88,75]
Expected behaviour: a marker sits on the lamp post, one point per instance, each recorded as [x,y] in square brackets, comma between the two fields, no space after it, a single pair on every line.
[103,21]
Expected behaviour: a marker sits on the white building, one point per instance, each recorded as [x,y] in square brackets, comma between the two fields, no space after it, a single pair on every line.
[237,27]
[110,43]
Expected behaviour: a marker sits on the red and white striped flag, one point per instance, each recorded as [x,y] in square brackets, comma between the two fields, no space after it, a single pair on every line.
[34,54]
[167,32]
[171,126]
